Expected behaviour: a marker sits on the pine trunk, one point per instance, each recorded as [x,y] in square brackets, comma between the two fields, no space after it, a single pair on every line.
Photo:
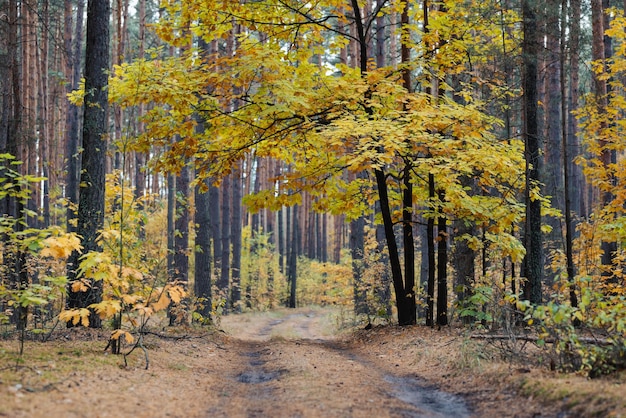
[236,239]
[202,271]
[533,241]
[92,179]
[293,258]
[73,139]
[223,283]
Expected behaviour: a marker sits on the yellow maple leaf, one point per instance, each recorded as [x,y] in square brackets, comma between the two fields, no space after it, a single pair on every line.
[84,317]
[106,308]
[67,315]
[119,333]
[60,246]
[144,310]
[162,303]
[130,299]
[80,285]
[77,316]
[176,293]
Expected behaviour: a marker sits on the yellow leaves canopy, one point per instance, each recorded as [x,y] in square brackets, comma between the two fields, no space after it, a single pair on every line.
[279,95]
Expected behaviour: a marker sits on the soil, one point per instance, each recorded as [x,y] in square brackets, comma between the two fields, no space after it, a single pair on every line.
[289,363]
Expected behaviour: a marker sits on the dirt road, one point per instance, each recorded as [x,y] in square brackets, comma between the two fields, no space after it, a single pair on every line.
[291,366]
[281,364]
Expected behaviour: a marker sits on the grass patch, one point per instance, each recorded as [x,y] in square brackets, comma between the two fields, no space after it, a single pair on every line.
[578,394]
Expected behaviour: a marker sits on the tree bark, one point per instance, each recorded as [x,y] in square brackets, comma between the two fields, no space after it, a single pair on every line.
[533,241]
[357,248]
[92,179]
[214,223]
[46,127]
[430,243]
[569,252]
[236,238]
[223,283]
[171,228]
[553,170]
[73,139]
[407,237]
[293,259]
[577,180]
[181,227]
[442,265]
[202,271]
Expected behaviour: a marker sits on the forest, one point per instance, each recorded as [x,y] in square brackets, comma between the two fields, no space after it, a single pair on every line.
[427,162]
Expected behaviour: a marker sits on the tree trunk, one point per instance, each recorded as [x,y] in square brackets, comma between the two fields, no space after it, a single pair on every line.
[223,283]
[202,271]
[464,262]
[20,269]
[569,253]
[46,127]
[181,236]
[171,229]
[442,265]
[324,240]
[430,243]
[73,139]
[236,238]
[293,258]
[599,51]
[280,242]
[406,315]
[214,222]
[182,211]
[553,171]
[533,241]
[407,239]
[407,190]
[577,180]
[357,248]
[92,179]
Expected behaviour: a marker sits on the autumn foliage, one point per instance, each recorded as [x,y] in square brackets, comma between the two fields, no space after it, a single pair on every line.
[425,135]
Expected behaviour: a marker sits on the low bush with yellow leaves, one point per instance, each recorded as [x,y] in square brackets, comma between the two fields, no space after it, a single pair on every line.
[32,272]
[130,268]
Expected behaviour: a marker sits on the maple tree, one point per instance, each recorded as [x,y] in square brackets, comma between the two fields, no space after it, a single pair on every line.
[129,272]
[324,119]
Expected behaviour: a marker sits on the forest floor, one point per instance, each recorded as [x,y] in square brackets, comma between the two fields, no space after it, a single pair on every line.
[293,363]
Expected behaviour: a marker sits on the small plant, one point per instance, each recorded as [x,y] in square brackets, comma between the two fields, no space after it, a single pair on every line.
[475,306]
[32,280]
[589,338]
[133,282]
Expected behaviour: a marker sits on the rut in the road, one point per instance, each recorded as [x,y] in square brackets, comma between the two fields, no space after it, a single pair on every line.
[291,370]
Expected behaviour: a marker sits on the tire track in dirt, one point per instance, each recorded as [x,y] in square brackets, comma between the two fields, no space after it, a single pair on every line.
[296,369]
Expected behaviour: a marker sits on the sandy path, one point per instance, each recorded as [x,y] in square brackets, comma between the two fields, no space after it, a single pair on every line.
[298,368]
[288,363]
